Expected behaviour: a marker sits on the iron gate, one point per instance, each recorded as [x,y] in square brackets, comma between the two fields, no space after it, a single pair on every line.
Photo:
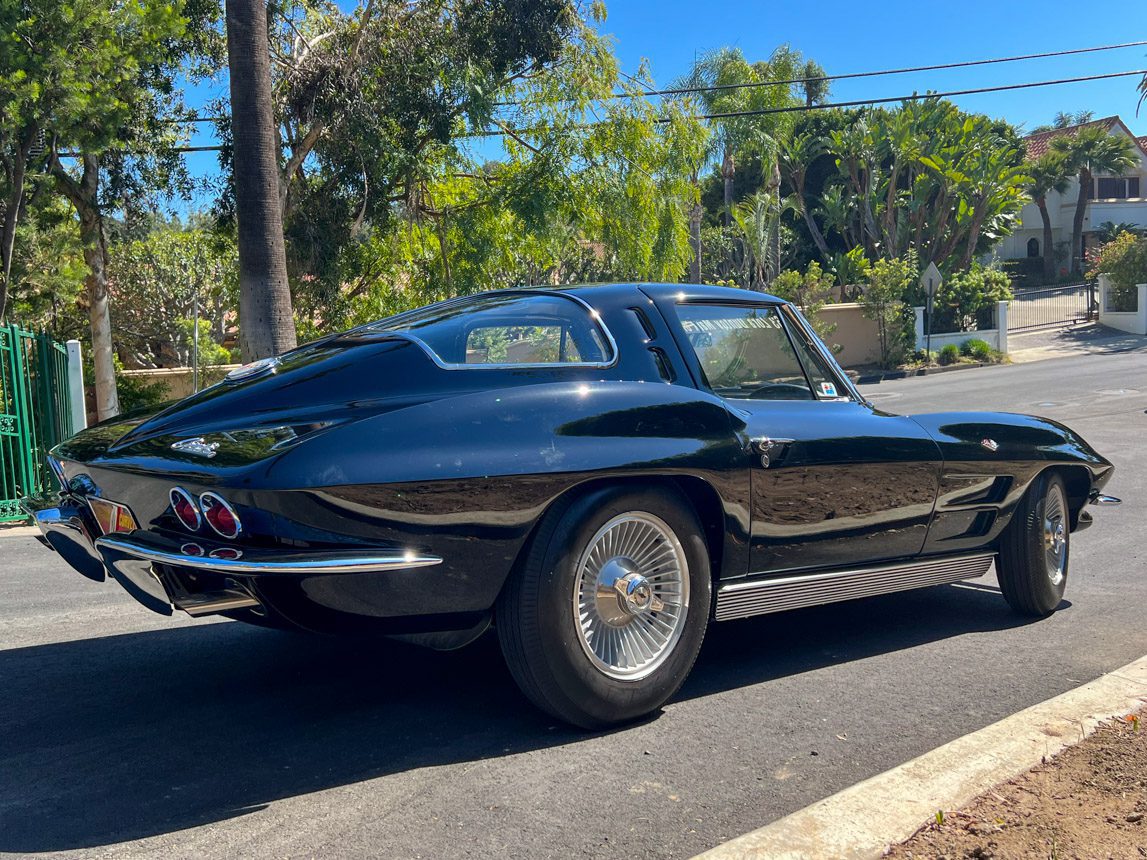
[1044,307]
[34,414]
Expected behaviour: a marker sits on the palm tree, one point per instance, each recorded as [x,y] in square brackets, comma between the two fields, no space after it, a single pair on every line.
[1066,119]
[1090,151]
[267,325]
[1109,230]
[1047,174]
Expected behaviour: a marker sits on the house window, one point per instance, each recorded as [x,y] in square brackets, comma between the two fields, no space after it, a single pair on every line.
[1117,187]
[1033,247]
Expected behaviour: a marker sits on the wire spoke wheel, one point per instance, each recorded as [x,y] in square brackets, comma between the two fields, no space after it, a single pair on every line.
[1055,535]
[631,595]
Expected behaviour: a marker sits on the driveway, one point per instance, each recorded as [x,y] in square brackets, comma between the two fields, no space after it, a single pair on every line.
[130,735]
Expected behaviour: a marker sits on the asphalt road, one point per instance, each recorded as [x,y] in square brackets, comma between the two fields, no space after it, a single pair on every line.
[130,735]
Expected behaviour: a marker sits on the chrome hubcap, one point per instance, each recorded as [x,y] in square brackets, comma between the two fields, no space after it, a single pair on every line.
[1055,536]
[632,595]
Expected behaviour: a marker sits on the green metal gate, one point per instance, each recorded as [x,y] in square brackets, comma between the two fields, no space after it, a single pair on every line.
[34,414]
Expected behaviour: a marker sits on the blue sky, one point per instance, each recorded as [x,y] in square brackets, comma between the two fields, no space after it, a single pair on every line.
[882,34]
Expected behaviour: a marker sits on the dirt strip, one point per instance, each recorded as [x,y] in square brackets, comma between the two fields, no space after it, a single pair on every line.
[1090,801]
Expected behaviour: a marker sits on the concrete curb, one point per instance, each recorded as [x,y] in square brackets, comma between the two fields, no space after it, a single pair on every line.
[890,375]
[862,821]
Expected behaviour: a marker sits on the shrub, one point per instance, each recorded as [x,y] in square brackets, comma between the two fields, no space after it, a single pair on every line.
[967,298]
[949,353]
[1124,260]
[978,349]
[809,292]
[883,301]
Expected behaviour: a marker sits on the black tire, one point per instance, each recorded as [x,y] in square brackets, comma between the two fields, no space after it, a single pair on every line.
[1032,573]
[540,626]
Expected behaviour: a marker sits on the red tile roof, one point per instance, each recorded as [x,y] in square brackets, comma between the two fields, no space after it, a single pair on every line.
[1037,144]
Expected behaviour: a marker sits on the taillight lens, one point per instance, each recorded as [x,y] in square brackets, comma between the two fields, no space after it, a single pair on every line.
[220,515]
[111,516]
[185,509]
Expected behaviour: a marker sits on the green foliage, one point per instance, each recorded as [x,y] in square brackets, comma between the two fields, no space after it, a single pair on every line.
[949,354]
[48,272]
[883,300]
[966,300]
[924,176]
[154,281]
[978,349]
[850,268]
[1124,261]
[810,291]
[136,393]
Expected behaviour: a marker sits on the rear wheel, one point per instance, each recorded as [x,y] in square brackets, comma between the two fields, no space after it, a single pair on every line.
[1033,559]
[605,617]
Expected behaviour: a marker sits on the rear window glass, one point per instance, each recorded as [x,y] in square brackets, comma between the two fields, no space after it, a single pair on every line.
[510,329]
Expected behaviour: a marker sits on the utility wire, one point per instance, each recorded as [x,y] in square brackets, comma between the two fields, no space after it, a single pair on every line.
[510,132]
[856,103]
[677,91]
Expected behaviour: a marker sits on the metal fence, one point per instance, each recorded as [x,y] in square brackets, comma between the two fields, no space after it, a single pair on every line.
[34,414]
[1045,307]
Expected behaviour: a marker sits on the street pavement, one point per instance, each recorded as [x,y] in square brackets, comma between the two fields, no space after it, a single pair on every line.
[130,735]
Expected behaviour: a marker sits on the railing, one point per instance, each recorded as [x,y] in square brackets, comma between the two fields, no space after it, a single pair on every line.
[1044,307]
[34,414]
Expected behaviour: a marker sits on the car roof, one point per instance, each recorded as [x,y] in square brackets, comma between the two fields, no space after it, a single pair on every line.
[674,292]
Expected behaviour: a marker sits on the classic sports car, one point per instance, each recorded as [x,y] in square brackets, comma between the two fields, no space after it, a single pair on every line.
[597,471]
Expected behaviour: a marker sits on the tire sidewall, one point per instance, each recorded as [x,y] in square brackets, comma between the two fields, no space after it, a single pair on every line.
[603,699]
[1049,594]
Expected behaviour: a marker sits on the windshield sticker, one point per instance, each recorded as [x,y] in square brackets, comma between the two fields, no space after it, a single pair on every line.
[827,389]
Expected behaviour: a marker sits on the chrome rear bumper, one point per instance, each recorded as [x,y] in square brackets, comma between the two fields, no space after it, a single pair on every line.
[159,573]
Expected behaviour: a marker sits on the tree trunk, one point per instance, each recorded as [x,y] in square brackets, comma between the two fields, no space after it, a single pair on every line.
[84,196]
[1077,223]
[266,318]
[95,255]
[695,240]
[8,229]
[1048,251]
[728,171]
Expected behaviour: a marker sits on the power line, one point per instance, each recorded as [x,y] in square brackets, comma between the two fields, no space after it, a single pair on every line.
[856,103]
[675,91]
[510,132]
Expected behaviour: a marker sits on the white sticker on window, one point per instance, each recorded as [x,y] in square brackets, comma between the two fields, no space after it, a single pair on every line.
[827,389]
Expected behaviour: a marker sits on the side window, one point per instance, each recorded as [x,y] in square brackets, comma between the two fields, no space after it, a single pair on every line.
[744,352]
[511,344]
[824,381]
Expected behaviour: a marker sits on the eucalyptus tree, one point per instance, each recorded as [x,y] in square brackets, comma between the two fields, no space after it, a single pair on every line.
[1050,172]
[1091,150]
[368,102]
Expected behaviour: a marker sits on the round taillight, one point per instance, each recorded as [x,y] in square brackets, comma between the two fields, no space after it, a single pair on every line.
[185,509]
[220,516]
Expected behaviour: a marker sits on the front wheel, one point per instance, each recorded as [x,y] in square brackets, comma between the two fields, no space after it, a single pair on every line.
[604,619]
[1032,565]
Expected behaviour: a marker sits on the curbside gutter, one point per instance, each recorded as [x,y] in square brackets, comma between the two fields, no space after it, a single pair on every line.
[862,821]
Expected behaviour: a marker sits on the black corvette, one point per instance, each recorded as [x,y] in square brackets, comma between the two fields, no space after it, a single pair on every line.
[598,471]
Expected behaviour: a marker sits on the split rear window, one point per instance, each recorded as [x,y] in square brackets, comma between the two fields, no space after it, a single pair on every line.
[512,329]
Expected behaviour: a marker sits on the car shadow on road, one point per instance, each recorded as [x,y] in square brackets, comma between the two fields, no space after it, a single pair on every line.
[124,737]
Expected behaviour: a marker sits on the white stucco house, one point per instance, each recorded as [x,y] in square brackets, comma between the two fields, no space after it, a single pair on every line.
[1118,199]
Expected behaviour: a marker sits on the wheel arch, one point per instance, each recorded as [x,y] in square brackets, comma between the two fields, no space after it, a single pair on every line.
[1077,482]
[701,495]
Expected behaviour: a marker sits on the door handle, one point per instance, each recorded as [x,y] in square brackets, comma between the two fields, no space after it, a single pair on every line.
[770,450]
